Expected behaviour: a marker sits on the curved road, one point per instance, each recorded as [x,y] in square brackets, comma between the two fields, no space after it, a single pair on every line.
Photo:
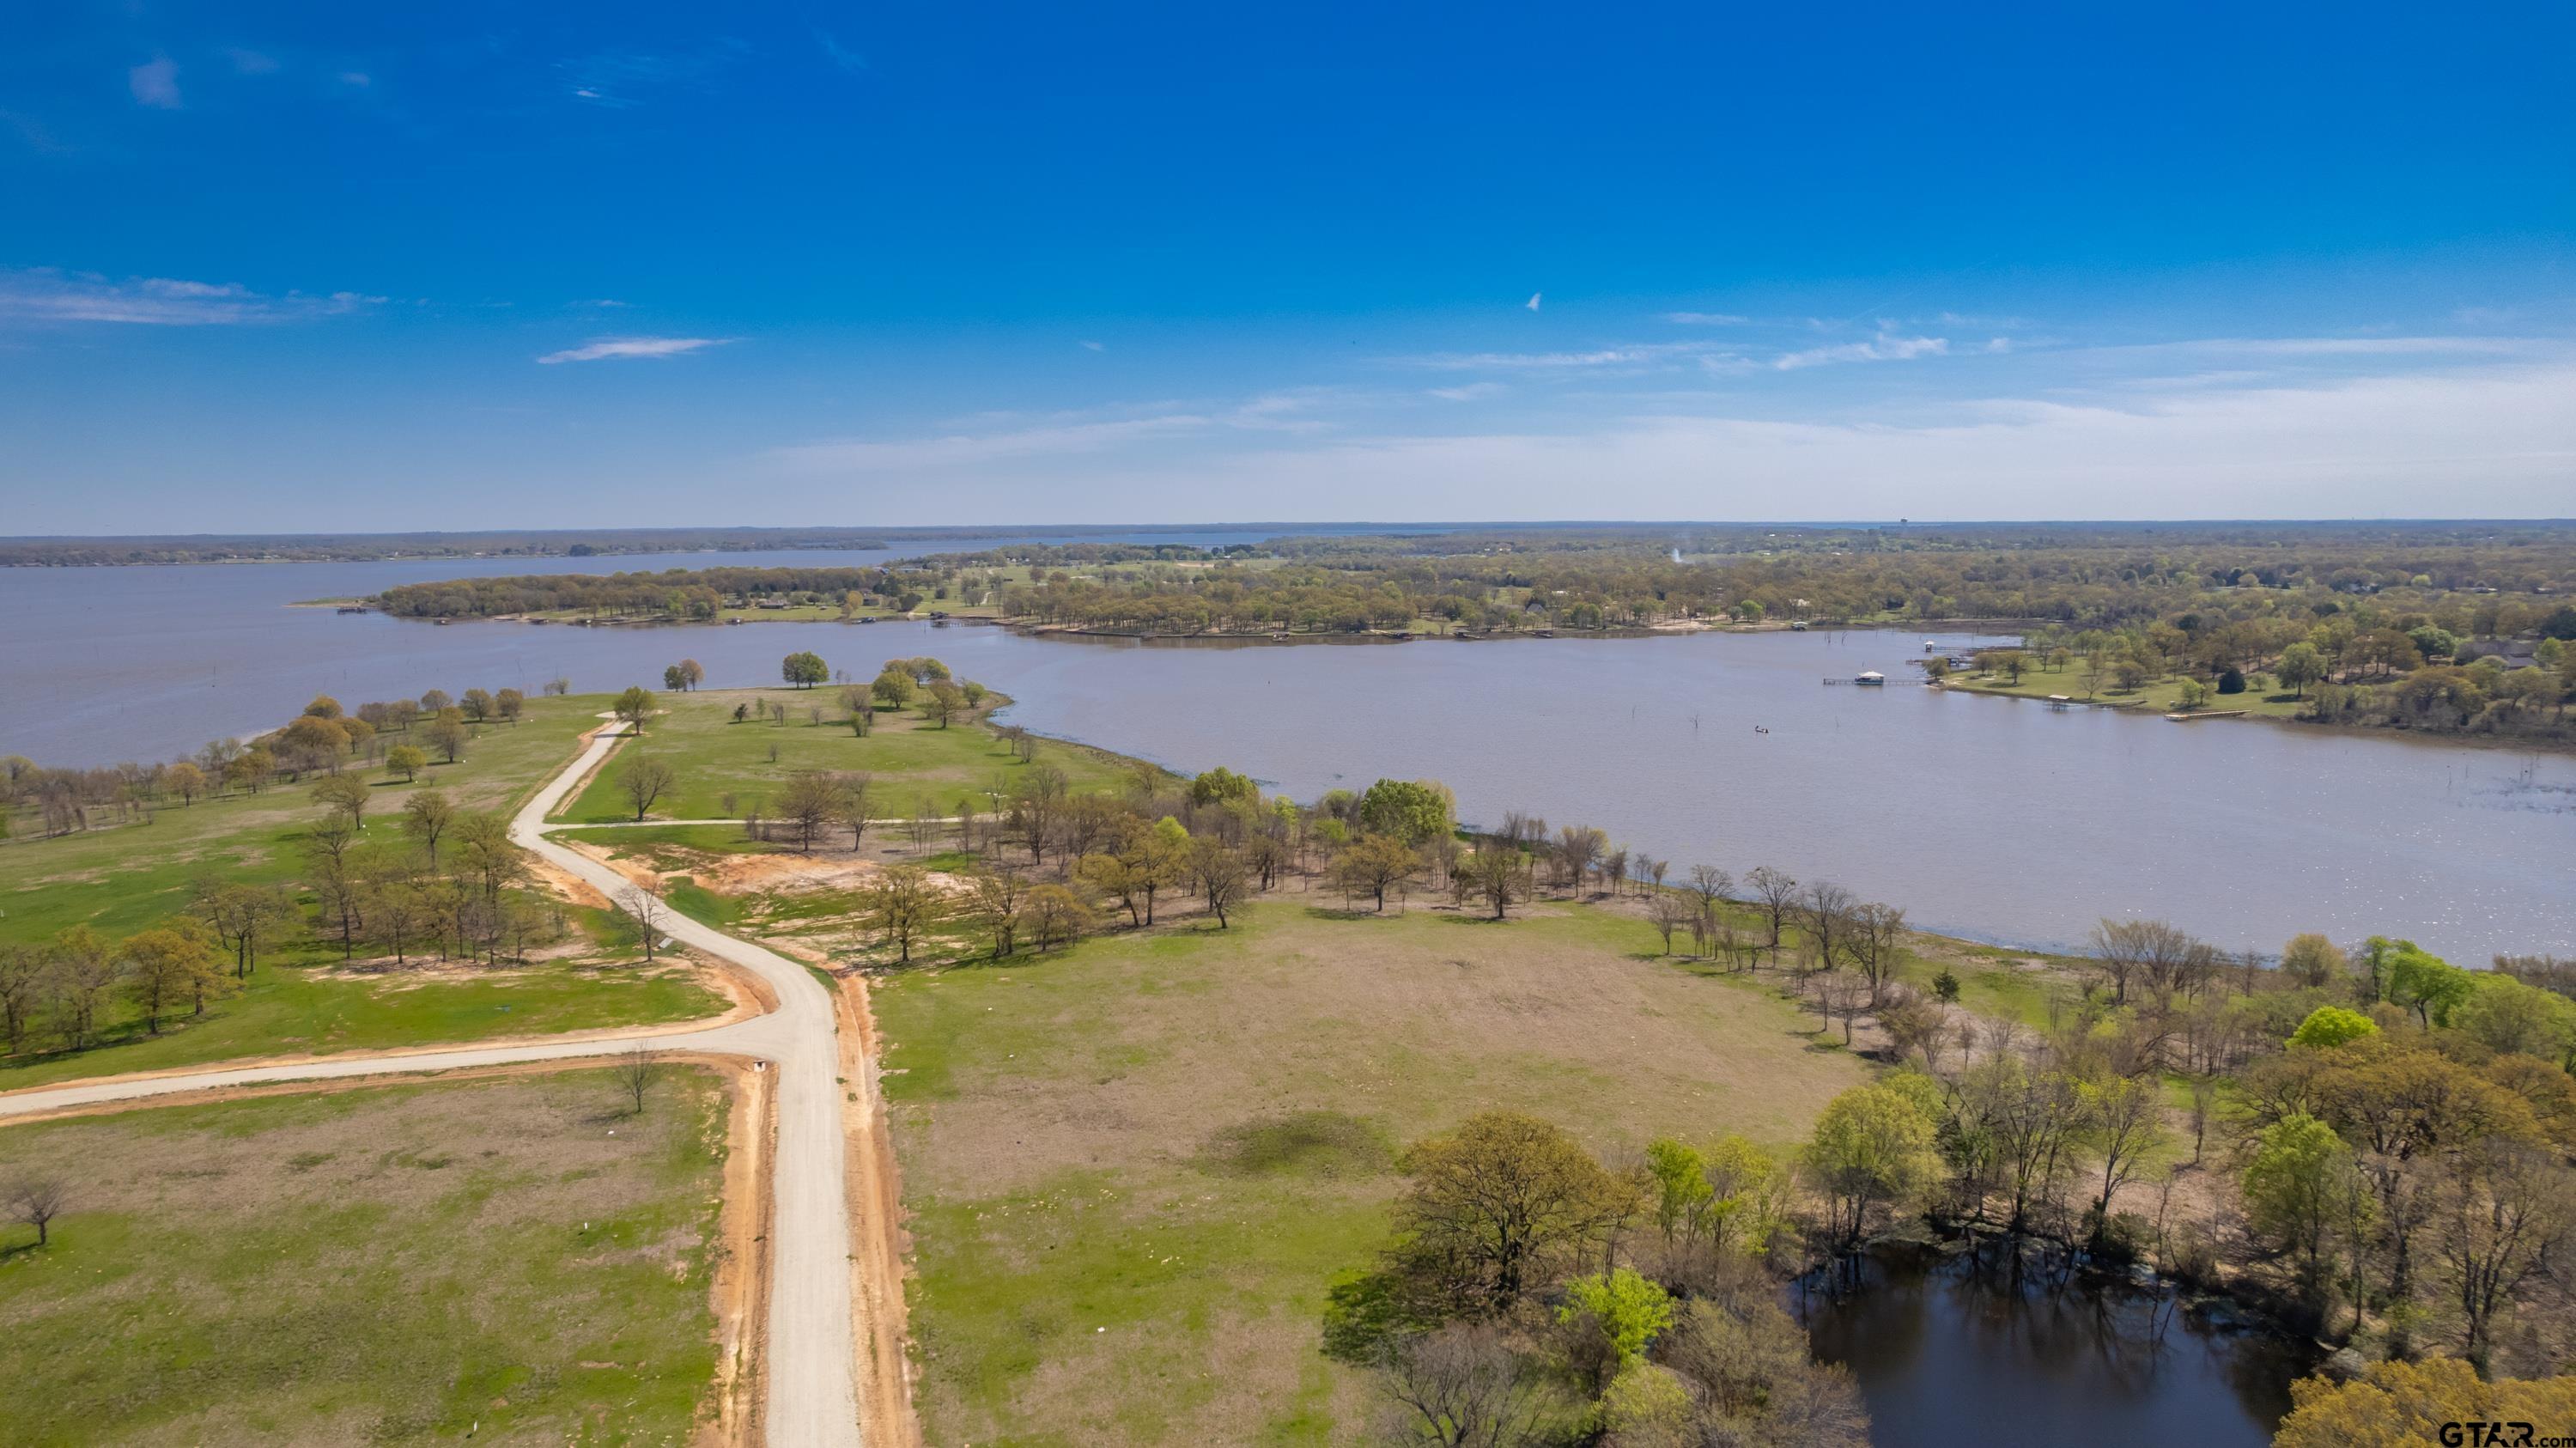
[812,1341]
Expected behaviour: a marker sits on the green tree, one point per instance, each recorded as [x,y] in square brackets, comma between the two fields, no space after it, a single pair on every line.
[406,760]
[2298,1185]
[634,706]
[804,669]
[1409,810]
[1872,1145]
[2330,1026]
[2300,666]
[1221,786]
[1493,1203]
[1622,1308]
[2424,983]
[173,963]
[893,688]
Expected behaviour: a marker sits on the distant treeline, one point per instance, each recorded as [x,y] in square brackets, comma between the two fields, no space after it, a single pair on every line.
[361,547]
[686,593]
[2072,577]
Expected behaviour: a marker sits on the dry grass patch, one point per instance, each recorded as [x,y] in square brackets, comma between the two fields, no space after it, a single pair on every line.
[509,1257]
[1135,1167]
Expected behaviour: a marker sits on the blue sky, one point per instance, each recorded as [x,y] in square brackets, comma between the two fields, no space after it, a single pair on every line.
[271,267]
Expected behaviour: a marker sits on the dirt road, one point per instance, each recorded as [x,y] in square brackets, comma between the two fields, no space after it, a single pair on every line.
[812,1397]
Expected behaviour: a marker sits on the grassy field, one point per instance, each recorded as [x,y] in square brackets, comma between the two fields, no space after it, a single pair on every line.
[1136,1166]
[310,1010]
[474,1261]
[909,759]
[126,878]
[2156,696]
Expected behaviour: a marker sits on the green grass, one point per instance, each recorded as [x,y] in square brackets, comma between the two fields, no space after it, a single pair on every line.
[301,1010]
[908,759]
[1137,1165]
[124,878]
[435,1263]
[127,878]
[2156,696]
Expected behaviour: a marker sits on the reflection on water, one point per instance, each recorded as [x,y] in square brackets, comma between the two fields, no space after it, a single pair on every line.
[1992,818]
[1986,1349]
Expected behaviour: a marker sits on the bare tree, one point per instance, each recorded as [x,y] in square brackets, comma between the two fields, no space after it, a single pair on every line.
[643,781]
[1822,909]
[637,1067]
[1872,941]
[1462,1386]
[854,810]
[36,1201]
[1776,893]
[1224,878]
[810,802]
[643,905]
[1668,912]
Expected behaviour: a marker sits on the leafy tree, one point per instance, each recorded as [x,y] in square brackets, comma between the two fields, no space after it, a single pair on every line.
[2299,666]
[2298,1184]
[426,818]
[2406,1404]
[673,679]
[804,669]
[182,779]
[893,688]
[448,736]
[172,963]
[634,706]
[1408,810]
[2422,982]
[1624,1309]
[2313,961]
[1221,786]
[2329,1026]
[2504,1014]
[1374,864]
[1495,1202]
[406,760]
[1872,1145]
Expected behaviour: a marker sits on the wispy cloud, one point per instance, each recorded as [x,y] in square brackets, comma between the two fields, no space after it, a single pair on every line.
[620,79]
[603,348]
[850,61]
[1004,437]
[1708,319]
[1885,347]
[1469,393]
[48,295]
[155,83]
[1095,347]
[1619,356]
[250,62]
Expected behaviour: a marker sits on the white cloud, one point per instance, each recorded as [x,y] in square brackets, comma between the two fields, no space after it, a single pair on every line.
[1001,437]
[1094,347]
[1708,319]
[1627,356]
[155,83]
[600,348]
[2492,441]
[1468,393]
[1885,347]
[1532,303]
[48,295]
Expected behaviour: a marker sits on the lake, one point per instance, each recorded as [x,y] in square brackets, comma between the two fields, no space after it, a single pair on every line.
[1992,818]
[1968,1352]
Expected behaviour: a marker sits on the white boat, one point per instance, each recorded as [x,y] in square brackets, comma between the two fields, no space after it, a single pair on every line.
[1871,676]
